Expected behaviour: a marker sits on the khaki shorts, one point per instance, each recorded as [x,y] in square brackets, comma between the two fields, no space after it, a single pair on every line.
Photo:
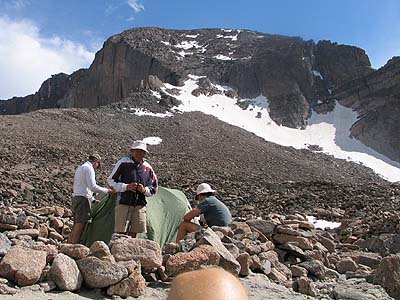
[80,209]
[131,218]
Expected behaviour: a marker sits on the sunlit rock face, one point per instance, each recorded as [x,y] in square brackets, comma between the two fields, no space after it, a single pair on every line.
[297,77]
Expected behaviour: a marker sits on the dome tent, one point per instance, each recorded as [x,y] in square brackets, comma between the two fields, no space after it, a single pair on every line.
[165,211]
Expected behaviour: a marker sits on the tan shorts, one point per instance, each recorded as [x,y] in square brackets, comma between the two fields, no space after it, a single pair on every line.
[131,219]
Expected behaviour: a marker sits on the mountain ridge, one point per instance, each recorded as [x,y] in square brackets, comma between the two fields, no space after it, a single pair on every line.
[298,77]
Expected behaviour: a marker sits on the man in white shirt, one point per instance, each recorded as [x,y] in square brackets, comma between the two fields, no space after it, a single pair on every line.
[84,187]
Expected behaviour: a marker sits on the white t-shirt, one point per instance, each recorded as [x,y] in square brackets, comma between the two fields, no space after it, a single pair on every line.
[85,182]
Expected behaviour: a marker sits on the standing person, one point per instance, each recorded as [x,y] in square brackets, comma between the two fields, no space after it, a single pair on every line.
[83,189]
[134,179]
[215,212]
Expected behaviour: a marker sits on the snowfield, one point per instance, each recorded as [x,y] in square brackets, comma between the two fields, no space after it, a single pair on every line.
[331,131]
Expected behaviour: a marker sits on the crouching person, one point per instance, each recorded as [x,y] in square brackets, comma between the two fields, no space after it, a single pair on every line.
[215,212]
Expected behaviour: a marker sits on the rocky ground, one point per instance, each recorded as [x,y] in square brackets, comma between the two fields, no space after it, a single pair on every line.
[275,256]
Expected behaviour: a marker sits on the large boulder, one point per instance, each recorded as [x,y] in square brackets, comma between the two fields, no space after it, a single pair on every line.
[267,227]
[193,260]
[51,250]
[76,251]
[98,273]
[227,260]
[146,251]
[387,275]
[346,264]
[358,289]
[134,285]
[22,265]
[65,273]
[314,267]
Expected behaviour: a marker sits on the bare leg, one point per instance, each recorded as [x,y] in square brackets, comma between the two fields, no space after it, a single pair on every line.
[76,233]
[185,228]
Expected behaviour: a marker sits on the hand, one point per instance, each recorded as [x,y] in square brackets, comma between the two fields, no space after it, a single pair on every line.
[132,186]
[141,188]
[95,201]
[111,191]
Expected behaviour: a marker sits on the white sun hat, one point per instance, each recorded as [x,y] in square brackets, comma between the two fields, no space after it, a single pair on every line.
[139,145]
[204,188]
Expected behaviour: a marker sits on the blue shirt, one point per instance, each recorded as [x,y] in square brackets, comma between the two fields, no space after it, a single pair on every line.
[215,212]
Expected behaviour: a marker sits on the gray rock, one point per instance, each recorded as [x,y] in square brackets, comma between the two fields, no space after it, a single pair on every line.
[265,226]
[227,260]
[314,267]
[358,289]
[260,288]
[5,244]
[387,275]
[98,273]
[145,251]
[304,285]
[134,285]
[65,273]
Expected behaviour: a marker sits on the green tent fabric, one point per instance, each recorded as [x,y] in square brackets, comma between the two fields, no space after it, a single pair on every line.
[102,225]
[165,211]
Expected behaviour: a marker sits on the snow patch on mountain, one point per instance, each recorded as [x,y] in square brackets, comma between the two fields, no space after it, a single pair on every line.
[317,74]
[329,131]
[144,112]
[322,224]
[222,57]
[188,45]
[152,140]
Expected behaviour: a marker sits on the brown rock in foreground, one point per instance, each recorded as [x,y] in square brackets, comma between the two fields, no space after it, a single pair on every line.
[65,273]
[193,260]
[23,266]
[146,251]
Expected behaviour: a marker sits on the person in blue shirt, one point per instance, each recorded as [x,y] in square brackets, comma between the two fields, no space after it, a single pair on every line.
[215,212]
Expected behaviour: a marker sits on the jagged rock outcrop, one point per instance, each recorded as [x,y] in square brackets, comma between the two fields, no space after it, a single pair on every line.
[294,74]
[376,98]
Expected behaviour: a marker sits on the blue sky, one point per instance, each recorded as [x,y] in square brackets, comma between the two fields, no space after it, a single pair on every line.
[43,37]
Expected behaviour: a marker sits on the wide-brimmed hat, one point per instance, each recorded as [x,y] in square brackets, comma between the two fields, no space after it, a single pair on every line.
[139,145]
[204,188]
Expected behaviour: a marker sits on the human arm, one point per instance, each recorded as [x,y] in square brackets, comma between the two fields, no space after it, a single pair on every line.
[151,185]
[112,180]
[191,214]
[91,182]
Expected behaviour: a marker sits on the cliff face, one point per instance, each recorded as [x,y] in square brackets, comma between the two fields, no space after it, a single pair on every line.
[296,76]
[376,98]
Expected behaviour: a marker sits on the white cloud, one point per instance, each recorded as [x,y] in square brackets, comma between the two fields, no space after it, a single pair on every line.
[135,5]
[14,4]
[28,58]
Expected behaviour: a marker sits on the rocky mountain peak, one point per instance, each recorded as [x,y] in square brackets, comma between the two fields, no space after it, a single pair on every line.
[297,77]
